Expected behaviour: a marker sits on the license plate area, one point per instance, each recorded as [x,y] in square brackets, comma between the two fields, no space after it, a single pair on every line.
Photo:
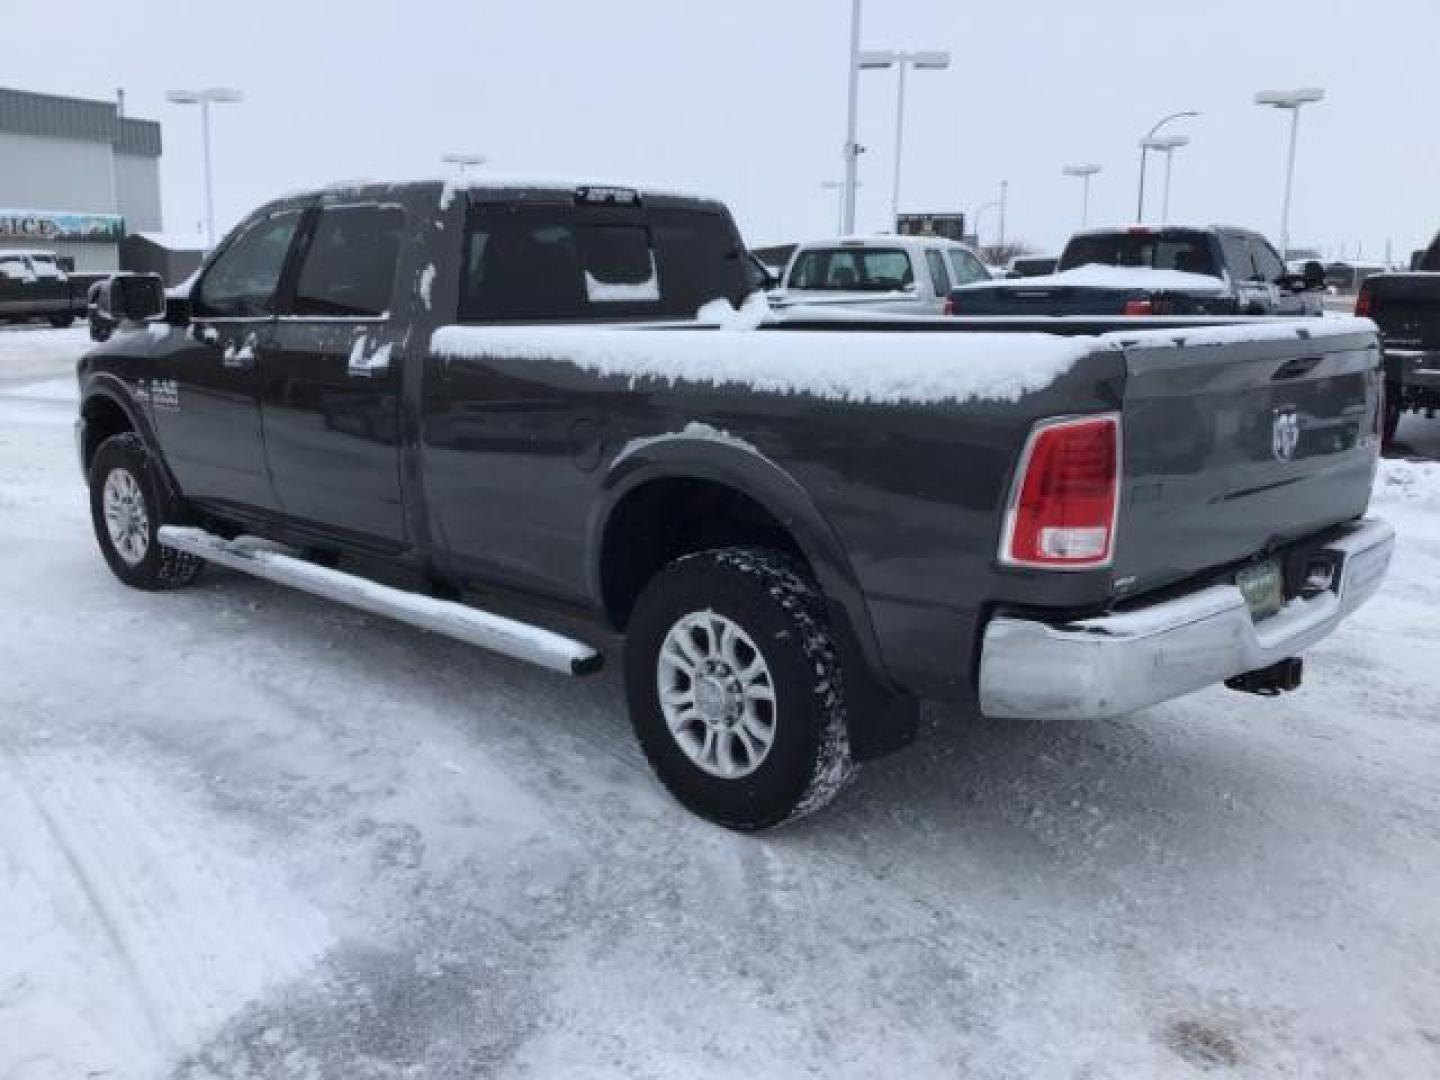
[1263,586]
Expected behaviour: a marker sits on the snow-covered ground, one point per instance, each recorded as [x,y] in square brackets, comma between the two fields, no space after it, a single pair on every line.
[247,833]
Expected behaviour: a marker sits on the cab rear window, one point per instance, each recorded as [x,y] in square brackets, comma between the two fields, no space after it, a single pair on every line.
[1171,249]
[551,265]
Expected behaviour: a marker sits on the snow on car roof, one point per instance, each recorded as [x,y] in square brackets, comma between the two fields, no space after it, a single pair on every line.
[1100,276]
[881,240]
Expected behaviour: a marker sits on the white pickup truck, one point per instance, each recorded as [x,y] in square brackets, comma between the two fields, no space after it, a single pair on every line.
[897,275]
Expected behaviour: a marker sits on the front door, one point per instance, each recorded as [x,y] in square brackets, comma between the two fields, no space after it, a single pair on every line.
[330,379]
[205,394]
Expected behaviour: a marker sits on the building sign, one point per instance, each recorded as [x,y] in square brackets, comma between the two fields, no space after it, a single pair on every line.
[46,225]
[947,226]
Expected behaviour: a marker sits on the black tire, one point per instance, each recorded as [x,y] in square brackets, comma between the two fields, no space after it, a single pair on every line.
[1392,414]
[780,610]
[156,567]
[62,322]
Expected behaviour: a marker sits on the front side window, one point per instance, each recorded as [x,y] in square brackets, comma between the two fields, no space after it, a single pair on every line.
[1237,256]
[349,266]
[938,275]
[967,268]
[1268,265]
[852,270]
[45,267]
[241,283]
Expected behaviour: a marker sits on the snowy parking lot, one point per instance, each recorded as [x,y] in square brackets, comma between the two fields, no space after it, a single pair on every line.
[247,833]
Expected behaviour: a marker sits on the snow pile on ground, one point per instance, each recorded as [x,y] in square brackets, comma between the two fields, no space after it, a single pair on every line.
[250,834]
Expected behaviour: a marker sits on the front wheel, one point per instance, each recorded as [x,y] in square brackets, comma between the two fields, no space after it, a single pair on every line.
[1393,409]
[735,688]
[61,322]
[128,504]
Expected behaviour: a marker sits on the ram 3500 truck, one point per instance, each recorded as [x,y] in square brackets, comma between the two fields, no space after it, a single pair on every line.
[33,285]
[501,401]
[1406,307]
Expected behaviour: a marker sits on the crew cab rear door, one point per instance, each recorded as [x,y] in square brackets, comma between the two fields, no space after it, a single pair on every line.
[330,377]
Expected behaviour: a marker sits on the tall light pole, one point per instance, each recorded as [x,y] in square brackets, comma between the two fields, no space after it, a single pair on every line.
[930,60]
[1140,201]
[462,162]
[1085,172]
[839,186]
[1292,100]
[852,148]
[218,95]
[1004,198]
[1167,145]
[975,217]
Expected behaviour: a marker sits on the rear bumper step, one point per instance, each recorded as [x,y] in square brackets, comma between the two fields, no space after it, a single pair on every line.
[1115,664]
[509,637]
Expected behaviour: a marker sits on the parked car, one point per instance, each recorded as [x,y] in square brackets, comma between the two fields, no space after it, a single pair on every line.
[1150,270]
[33,285]
[1406,307]
[567,404]
[897,275]
[1029,266]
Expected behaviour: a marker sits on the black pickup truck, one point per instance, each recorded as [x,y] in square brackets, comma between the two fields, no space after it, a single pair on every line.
[1154,270]
[1406,307]
[520,403]
[33,285]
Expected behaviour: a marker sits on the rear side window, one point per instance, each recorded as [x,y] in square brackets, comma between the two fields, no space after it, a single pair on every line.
[559,265]
[939,277]
[1237,256]
[44,267]
[349,265]
[241,282]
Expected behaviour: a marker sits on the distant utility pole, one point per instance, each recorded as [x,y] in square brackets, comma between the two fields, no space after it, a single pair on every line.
[852,148]
[1004,193]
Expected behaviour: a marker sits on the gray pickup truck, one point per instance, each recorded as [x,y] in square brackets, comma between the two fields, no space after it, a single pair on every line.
[552,418]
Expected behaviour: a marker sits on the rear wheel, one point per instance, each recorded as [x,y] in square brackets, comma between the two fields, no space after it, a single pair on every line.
[128,504]
[61,322]
[734,688]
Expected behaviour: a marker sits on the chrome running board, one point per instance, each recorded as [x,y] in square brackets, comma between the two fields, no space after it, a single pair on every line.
[509,637]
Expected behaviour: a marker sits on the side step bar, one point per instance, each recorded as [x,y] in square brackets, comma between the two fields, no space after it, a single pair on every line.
[518,640]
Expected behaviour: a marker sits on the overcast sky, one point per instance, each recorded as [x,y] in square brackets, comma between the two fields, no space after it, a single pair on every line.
[745,99]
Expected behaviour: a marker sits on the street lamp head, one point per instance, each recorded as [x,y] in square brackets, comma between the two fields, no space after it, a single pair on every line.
[1165,142]
[1290,99]
[220,95]
[877,58]
[937,60]
[1080,170]
[462,159]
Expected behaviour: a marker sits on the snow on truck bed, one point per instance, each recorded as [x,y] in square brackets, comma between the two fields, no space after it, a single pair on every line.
[1096,276]
[857,366]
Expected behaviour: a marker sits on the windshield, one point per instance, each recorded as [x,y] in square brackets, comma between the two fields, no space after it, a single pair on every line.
[852,270]
[1173,249]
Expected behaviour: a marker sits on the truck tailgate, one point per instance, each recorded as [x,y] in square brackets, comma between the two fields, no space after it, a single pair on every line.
[1241,439]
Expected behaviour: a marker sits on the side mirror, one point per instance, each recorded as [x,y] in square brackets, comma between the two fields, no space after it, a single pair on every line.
[1313,274]
[132,298]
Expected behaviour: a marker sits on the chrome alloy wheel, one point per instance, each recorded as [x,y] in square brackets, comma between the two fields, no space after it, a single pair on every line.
[717,694]
[125,517]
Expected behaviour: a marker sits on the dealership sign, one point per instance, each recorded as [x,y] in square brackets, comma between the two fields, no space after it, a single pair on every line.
[48,225]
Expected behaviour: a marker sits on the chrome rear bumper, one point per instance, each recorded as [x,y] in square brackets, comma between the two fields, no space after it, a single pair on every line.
[1114,664]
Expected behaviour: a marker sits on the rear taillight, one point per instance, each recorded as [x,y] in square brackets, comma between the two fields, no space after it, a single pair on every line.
[1063,506]
[949,305]
[1362,302]
[1144,306]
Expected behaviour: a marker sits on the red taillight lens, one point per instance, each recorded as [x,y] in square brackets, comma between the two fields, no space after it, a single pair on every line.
[1062,513]
[1362,302]
[949,305]
[1140,307]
